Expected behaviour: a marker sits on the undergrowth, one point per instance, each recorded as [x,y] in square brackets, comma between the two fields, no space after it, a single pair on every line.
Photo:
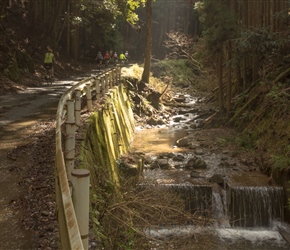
[264,118]
[181,74]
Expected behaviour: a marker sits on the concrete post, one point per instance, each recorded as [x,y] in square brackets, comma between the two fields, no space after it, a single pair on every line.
[70,129]
[116,76]
[119,75]
[113,77]
[89,97]
[80,179]
[107,82]
[98,91]
[110,79]
[103,87]
[78,107]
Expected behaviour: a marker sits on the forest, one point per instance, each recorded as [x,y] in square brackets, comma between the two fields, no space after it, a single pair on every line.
[243,45]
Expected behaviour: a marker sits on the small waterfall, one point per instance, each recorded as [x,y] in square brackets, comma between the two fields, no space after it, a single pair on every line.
[244,217]
[198,198]
[255,206]
[219,207]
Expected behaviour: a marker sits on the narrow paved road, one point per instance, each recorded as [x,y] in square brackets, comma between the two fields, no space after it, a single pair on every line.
[20,116]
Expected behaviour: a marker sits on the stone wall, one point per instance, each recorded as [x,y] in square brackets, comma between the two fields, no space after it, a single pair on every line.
[108,136]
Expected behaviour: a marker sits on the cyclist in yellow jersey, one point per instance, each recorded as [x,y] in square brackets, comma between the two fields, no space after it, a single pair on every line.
[48,62]
[122,58]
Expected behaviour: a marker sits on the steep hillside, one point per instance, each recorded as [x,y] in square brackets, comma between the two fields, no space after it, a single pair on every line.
[262,113]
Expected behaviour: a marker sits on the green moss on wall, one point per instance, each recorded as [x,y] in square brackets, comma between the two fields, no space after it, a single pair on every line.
[108,136]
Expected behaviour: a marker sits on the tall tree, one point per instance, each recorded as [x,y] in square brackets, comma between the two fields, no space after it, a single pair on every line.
[148,46]
[218,27]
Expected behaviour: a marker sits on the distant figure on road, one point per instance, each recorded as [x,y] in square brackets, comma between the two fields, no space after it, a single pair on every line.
[107,58]
[127,56]
[115,58]
[48,63]
[99,59]
[122,58]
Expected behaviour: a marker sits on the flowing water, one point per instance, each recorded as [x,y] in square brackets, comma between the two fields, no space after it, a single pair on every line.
[247,212]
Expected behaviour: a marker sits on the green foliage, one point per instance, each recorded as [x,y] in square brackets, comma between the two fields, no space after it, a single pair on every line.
[248,140]
[133,5]
[281,162]
[218,23]
[259,42]
[180,70]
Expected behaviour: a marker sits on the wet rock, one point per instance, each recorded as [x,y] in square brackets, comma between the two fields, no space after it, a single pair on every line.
[129,169]
[194,146]
[152,121]
[177,119]
[180,98]
[152,166]
[196,163]
[193,126]
[163,156]
[199,123]
[186,111]
[199,151]
[45,213]
[177,166]
[217,178]
[178,157]
[194,174]
[163,164]
[225,164]
[171,155]
[147,159]
[153,98]
[183,142]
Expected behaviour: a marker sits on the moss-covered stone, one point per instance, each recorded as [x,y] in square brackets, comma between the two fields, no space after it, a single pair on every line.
[108,136]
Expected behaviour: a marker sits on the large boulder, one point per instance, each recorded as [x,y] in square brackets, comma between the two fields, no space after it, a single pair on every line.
[196,163]
[217,178]
[183,142]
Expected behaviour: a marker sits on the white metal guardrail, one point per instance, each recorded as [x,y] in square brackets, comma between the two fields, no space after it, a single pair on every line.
[71,184]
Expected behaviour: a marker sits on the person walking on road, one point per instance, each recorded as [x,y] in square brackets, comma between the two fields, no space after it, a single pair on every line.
[48,63]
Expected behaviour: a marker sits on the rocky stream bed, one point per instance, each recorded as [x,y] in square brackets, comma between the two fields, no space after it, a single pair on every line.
[176,142]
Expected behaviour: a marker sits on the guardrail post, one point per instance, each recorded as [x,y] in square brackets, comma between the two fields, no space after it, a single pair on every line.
[89,97]
[114,77]
[70,129]
[98,91]
[78,107]
[118,75]
[111,79]
[106,82]
[80,179]
[103,85]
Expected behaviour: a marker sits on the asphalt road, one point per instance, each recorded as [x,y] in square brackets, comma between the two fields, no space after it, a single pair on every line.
[19,115]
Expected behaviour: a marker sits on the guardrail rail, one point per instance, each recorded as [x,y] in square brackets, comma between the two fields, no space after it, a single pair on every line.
[74,235]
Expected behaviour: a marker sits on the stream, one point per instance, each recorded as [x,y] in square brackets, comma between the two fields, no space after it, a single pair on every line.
[211,174]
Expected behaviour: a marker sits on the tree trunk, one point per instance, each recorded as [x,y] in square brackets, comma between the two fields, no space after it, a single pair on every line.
[148,46]
[229,80]
[68,29]
[220,81]
[35,15]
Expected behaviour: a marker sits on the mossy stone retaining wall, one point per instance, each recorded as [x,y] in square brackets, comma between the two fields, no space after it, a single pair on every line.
[108,136]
